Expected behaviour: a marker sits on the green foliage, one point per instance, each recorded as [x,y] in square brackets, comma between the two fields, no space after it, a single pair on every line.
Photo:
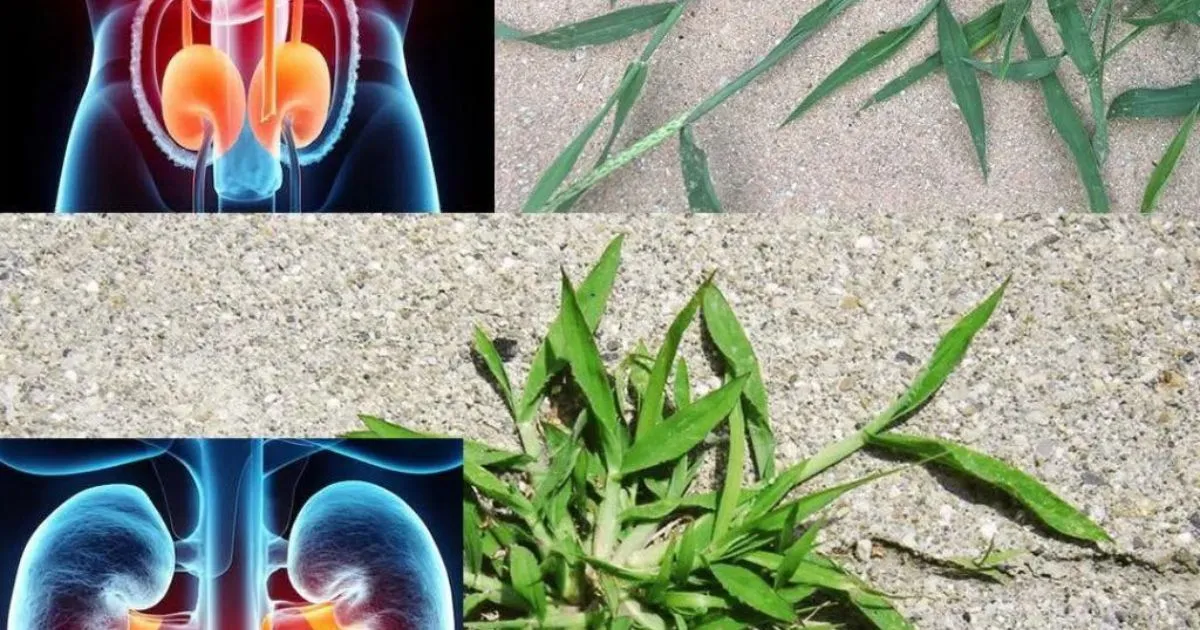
[597,526]
[960,47]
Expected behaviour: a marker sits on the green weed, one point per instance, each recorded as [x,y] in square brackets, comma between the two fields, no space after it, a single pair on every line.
[596,522]
[1085,43]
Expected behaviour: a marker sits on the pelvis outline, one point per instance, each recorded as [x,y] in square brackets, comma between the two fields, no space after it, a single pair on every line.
[201,83]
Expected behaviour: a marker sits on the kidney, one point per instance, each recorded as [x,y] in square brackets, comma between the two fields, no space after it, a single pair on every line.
[365,551]
[100,555]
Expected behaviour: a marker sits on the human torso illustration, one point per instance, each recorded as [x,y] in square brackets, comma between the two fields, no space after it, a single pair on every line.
[236,546]
[248,105]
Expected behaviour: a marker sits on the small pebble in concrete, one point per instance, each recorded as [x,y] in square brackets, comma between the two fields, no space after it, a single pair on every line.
[862,550]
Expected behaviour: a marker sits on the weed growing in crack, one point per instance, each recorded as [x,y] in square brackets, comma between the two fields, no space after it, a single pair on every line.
[595,522]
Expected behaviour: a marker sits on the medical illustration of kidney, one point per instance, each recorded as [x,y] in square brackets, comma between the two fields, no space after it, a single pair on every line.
[243,89]
[252,552]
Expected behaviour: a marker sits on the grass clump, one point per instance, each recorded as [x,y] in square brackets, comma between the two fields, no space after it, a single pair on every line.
[597,522]
[981,47]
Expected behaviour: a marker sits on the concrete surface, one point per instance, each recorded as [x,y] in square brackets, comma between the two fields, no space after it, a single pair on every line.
[910,153]
[1088,375]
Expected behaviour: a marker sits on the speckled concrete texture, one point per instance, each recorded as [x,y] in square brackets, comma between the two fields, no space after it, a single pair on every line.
[911,153]
[1088,375]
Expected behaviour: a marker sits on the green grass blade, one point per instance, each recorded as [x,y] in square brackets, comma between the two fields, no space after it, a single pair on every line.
[496,489]
[734,464]
[807,505]
[684,430]
[1166,165]
[592,296]
[1010,19]
[702,195]
[1077,41]
[949,352]
[651,410]
[1068,124]
[527,579]
[749,589]
[953,45]
[472,544]
[734,346]
[979,32]
[587,370]
[1048,507]
[805,27]
[683,385]
[1029,70]
[865,59]
[658,510]
[495,365]
[796,554]
[603,29]
[1172,102]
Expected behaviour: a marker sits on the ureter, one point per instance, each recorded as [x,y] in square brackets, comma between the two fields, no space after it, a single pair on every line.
[186,20]
[270,78]
[297,20]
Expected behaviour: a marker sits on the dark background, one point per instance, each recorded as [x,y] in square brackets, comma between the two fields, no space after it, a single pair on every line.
[48,51]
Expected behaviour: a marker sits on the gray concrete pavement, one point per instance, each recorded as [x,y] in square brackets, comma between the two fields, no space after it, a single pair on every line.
[1088,375]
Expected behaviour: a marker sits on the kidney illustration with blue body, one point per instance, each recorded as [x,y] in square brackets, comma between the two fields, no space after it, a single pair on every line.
[231,534]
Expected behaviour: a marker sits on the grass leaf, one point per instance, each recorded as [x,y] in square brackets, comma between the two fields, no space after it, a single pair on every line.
[979,32]
[865,59]
[734,464]
[472,544]
[952,42]
[1048,507]
[494,488]
[587,370]
[731,341]
[1010,20]
[702,195]
[1029,70]
[527,579]
[1068,124]
[495,365]
[683,385]
[603,29]
[796,554]
[1166,165]
[1077,40]
[948,353]
[685,429]
[1169,102]
[651,410]
[749,589]
[592,296]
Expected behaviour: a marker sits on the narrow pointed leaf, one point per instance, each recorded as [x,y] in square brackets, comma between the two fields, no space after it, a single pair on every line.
[1166,165]
[683,385]
[733,344]
[734,463]
[1028,70]
[495,365]
[587,370]
[497,490]
[603,29]
[1077,40]
[1047,506]
[1172,102]
[527,579]
[979,33]
[472,544]
[702,195]
[751,590]
[684,430]
[796,554]
[651,409]
[1010,19]
[592,296]
[865,59]
[1070,127]
[953,45]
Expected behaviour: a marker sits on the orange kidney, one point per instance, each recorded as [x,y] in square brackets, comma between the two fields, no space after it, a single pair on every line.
[201,83]
[303,93]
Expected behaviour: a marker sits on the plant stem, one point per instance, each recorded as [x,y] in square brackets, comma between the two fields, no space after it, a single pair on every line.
[608,519]
[481,582]
[1124,42]
[836,452]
